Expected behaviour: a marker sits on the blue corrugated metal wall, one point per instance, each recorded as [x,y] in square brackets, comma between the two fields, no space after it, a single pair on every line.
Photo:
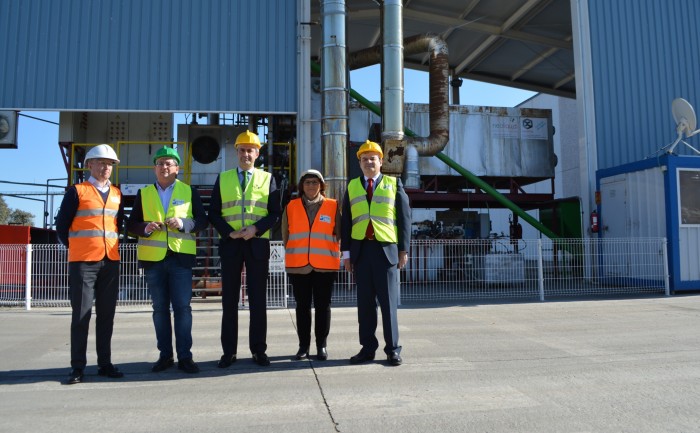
[645,53]
[153,55]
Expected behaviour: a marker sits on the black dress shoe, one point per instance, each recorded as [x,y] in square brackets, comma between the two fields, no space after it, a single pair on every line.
[394,359]
[303,353]
[75,376]
[361,357]
[110,371]
[321,354]
[188,366]
[162,364]
[226,361]
[261,359]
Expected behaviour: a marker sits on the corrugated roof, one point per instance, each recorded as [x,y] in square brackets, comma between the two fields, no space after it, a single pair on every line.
[525,44]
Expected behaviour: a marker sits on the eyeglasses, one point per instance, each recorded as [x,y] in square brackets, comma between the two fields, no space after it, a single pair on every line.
[104,162]
[166,164]
[311,182]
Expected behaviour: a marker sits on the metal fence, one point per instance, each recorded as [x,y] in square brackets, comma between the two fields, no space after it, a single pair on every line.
[438,270]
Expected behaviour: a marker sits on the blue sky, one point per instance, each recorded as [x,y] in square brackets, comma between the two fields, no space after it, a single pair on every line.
[38,157]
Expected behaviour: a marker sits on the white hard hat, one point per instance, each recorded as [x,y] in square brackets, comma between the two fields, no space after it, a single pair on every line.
[312,172]
[104,151]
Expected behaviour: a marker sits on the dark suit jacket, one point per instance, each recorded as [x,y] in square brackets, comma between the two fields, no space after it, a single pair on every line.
[136,226]
[403,223]
[260,246]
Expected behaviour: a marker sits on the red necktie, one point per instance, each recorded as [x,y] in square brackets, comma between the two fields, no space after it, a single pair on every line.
[369,234]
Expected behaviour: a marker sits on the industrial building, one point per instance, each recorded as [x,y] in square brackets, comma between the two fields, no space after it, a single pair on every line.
[118,71]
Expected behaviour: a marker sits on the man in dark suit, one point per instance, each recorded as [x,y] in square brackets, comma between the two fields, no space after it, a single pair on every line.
[375,238]
[245,204]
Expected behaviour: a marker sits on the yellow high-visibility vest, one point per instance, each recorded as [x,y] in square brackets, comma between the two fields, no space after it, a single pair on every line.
[243,208]
[381,211]
[154,247]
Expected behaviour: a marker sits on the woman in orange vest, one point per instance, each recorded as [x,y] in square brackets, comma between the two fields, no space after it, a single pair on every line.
[311,234]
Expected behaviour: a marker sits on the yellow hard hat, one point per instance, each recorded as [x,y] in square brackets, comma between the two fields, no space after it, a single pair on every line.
[248,138]
[370,146]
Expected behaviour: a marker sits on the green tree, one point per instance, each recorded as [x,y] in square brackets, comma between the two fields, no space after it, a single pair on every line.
[21,218]
[4,211]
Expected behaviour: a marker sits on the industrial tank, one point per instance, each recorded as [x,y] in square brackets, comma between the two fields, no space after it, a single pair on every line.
[487,141]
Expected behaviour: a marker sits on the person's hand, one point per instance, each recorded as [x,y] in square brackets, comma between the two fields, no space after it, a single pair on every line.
[153,226]
[348,265]
[403,259]
[248,232]
[174,223]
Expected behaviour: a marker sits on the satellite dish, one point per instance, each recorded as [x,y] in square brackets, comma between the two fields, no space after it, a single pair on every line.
[684,115]
[686,122]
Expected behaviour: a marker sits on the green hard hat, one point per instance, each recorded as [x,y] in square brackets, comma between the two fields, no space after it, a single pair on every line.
[167,152]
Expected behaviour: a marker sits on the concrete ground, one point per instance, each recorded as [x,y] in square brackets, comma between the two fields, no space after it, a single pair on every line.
[621,365]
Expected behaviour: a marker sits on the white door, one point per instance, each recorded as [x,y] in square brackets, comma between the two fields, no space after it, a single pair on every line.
[614,223]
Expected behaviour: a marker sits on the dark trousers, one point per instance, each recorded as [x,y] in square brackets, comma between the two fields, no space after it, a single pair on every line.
[316,286]
[233,257]
[377,281]
[88,281]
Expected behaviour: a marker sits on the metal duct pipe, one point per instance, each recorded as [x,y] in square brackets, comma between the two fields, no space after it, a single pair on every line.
[438,77]
[213,118]
[334,97]
[412,172]
[439,94]
[304,121]
[392,70]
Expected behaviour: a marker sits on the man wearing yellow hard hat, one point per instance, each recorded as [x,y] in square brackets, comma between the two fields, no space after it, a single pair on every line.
[245,204]
[375,238]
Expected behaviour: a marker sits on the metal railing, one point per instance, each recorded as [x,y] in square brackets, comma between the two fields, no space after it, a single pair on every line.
[438,270]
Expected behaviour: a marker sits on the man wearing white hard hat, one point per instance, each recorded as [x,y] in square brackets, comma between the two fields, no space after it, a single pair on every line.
[88,223]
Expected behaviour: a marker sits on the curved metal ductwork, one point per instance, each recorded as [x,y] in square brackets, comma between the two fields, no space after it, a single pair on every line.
[438,77]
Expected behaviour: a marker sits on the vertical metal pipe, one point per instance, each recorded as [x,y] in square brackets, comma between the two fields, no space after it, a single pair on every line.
[455,83]
[412,172]
[28,277]
[392,70]
[270,145]
[540,270]
[334,97]
[664,258]
[303,136]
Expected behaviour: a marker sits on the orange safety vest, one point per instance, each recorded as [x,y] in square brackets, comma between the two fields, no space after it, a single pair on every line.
[316,245]
[93,234]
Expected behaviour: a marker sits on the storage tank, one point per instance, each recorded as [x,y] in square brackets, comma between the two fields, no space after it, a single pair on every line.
[487,141]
